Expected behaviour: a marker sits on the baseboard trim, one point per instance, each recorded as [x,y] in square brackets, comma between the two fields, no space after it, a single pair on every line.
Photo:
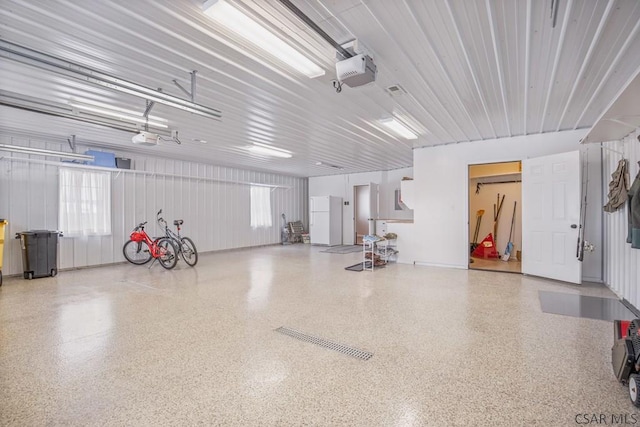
[433,264]
[107,264]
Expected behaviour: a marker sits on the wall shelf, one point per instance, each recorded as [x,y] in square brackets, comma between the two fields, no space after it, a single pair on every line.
[497,178]
[136,172]
[407,193]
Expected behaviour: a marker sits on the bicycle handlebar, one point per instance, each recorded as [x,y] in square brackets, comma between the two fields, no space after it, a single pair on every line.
[141,225]
[160,220]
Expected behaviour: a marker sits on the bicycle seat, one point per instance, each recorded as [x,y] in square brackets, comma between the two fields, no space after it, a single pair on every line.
[178,222]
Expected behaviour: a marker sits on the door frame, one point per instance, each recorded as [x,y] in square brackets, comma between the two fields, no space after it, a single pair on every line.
[467,210]
[355,210]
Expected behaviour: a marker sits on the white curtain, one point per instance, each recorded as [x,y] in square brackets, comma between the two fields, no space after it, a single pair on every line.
[260,206]
[85,202]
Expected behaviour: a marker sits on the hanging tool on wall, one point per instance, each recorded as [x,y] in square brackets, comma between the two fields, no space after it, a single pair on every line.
[474,244]
[497,208]
[582,243]
[509,248]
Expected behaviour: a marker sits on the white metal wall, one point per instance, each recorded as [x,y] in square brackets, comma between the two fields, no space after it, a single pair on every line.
[213,201]
[622,264]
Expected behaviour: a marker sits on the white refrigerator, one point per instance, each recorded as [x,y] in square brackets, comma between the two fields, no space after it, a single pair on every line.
[325,220]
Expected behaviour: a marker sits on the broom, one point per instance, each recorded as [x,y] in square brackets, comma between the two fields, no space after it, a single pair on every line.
[474,244]
[496,216]
[509,248]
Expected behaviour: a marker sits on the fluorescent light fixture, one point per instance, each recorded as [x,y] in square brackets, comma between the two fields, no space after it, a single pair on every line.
[235,20]
[109,107]
[43,152]
[80,72]
[268,150]
[329,165]
[398,128]
[119,115]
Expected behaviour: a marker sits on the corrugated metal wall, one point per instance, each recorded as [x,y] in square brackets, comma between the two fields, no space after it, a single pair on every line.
[622,264]
[213,201]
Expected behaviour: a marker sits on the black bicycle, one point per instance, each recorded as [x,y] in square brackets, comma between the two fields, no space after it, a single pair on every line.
[186,247]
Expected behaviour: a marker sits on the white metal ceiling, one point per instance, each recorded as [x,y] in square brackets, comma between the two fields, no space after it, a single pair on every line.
[472,70]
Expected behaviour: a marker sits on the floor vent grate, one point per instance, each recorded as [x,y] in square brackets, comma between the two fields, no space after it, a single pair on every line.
[341,348]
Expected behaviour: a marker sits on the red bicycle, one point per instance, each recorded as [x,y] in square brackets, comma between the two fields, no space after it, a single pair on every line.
[140,249]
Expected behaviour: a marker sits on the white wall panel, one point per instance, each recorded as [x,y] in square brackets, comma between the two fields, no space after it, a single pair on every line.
[592,266]
[622,263]
[216,213]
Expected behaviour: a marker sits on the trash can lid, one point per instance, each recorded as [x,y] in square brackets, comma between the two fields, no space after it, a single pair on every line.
[38,232]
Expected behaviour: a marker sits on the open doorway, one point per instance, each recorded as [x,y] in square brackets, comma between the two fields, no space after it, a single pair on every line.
[361,212]
[495,226]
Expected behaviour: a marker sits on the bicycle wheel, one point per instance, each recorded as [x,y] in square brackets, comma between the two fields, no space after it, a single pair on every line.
[136,252]
[167,253]
[188,251]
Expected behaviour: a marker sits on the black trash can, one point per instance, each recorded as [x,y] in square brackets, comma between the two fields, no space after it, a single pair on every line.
[39,253]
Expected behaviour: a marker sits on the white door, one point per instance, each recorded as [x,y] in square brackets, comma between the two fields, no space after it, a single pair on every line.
[373,207]
[551,217]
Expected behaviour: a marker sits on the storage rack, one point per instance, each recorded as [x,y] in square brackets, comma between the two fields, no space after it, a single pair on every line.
[373,246]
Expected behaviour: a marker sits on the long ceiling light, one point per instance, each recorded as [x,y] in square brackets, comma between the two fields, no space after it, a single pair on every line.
[233,19]
[329,165]
[74,70]
[93,103]
[131,115]
[268,150]
[398,128]
[43,152]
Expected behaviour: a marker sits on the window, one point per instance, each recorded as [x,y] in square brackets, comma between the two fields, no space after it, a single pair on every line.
[85,202]
[260,206]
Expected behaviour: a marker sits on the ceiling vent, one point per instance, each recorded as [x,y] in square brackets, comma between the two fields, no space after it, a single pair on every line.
[395,90]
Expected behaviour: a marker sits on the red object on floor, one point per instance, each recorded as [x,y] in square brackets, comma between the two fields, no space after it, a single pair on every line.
[486,248]
[624,327]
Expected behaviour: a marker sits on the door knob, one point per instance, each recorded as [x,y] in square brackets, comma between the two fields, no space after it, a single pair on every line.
[574,225]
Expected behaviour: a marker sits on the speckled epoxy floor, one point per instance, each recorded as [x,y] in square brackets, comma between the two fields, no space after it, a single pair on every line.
[125,345]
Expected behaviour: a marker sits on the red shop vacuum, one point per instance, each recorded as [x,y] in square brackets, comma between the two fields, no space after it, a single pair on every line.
[625,356]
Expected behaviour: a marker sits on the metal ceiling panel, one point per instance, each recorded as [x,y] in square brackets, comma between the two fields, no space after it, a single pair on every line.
[577,43]
[470,69]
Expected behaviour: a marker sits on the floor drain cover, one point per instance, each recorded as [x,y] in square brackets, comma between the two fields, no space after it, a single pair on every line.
[345,349]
